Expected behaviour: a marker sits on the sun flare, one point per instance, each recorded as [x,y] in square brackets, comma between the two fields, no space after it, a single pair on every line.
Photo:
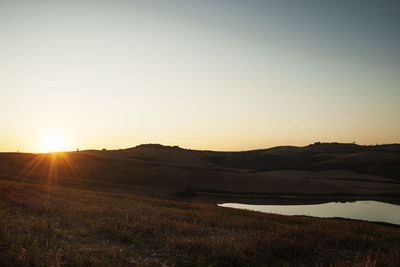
[54,142]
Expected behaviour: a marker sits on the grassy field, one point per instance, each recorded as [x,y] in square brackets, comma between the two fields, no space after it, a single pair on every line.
[48,225]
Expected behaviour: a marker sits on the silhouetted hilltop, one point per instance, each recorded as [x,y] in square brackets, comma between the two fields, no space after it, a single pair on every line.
[161,153]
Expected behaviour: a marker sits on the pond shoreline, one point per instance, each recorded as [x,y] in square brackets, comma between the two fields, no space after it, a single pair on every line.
[369,210]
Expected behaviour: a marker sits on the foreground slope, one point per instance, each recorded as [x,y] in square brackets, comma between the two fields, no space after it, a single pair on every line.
[48,225]
[324,171]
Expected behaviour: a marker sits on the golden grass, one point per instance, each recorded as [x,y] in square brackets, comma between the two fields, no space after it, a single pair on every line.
[46,225]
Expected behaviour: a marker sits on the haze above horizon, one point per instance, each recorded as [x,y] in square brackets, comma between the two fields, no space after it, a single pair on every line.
[217,75]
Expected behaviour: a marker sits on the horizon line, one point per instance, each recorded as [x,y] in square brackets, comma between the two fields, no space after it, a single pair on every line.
[184,148]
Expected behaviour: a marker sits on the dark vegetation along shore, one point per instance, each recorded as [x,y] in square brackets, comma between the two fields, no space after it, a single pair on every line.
[48,225]
[154,205]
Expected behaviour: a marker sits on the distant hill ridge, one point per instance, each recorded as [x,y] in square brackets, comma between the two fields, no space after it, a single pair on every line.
[328,147]
[155,147]
[381,160]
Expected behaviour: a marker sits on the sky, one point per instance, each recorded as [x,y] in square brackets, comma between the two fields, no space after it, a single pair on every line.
[219,75]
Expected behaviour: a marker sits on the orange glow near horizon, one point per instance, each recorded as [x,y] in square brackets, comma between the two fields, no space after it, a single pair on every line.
[54,142]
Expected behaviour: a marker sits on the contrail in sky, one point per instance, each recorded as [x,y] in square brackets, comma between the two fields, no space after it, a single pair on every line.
[47,81]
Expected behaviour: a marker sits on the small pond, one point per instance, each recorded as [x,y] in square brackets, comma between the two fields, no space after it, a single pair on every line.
[369,210]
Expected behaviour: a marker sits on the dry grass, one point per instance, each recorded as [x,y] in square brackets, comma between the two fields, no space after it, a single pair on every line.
[45,225]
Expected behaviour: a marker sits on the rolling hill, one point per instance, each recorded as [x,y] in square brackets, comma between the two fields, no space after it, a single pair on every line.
[317,171]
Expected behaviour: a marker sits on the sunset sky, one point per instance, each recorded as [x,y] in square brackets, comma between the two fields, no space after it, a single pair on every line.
[220,75]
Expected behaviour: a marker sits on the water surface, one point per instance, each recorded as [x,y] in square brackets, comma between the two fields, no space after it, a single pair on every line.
[361,210]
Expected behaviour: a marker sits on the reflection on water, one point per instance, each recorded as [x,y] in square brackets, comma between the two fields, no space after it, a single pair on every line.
[361,210]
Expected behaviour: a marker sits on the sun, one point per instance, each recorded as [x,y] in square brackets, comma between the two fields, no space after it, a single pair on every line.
[54,142]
